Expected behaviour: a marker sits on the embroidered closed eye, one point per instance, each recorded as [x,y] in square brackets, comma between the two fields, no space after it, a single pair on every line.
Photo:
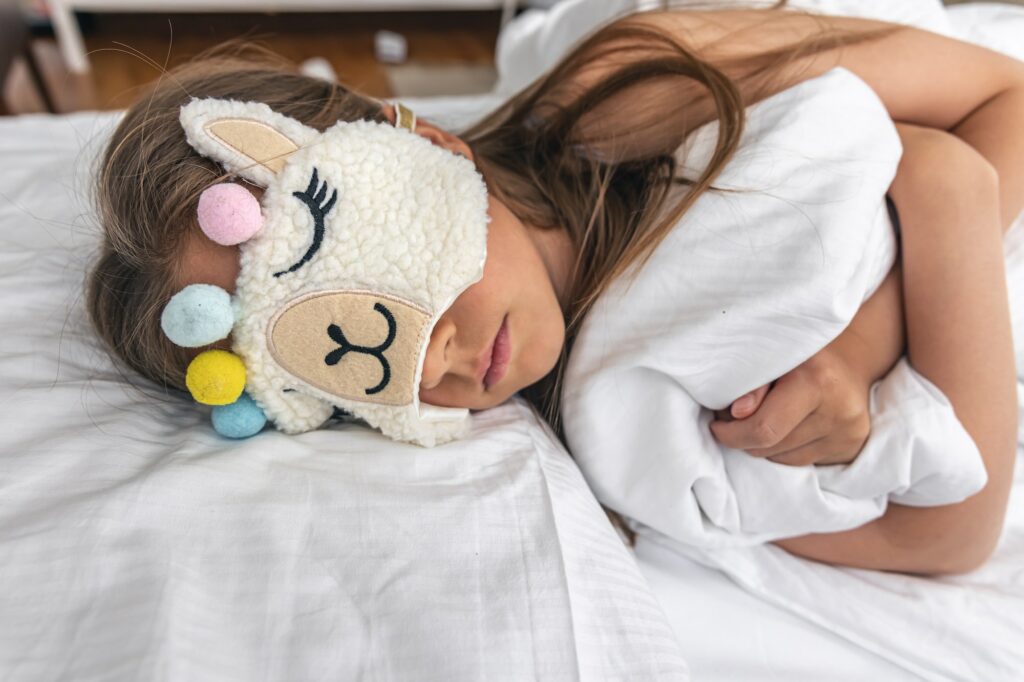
[314,197]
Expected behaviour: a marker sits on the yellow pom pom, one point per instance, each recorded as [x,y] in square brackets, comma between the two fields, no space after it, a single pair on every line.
[215,377]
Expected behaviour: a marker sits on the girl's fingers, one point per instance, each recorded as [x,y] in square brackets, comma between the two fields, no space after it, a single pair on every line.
[808,431]
[791,399]
[747,404]
[806,454]
[741,407]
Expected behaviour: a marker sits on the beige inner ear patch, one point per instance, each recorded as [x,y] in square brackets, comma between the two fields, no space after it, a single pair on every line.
[257,140]
[352,344]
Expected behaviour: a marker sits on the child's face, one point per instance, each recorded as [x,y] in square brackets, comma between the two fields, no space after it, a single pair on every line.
[517,284]
[524,268]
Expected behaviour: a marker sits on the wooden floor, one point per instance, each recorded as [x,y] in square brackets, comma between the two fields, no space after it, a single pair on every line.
[127,51]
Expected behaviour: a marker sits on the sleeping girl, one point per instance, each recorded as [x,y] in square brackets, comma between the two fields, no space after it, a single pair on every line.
[584,185]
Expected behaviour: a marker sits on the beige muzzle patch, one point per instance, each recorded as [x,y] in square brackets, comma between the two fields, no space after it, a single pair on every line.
[356,345]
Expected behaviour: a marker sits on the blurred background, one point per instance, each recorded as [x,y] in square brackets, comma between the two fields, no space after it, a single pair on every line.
[70,55]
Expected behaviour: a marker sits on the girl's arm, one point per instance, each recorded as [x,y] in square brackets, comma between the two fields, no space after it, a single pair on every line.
[875,339]
[958,336]
[922,78]
[976,94]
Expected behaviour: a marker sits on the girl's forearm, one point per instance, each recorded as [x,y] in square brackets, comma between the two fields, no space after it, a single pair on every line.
[996,130]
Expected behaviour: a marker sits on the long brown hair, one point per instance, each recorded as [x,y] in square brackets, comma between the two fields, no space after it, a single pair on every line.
[589,152]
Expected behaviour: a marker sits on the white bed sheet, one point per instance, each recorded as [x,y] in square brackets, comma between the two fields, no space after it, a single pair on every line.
[730,635]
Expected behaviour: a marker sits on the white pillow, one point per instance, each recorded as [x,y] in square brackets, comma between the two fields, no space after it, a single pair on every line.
[136,542]
[747,286]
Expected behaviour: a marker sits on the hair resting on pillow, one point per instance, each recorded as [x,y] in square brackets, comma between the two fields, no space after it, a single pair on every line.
[596,160]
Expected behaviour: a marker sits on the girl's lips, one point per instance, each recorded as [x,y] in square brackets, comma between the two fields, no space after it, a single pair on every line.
[501,353]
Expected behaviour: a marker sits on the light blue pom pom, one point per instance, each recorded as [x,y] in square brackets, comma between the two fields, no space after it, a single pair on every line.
[240,419]
[198,315]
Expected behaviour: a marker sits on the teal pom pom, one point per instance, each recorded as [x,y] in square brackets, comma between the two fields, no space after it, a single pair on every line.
[240,419]
[198,315]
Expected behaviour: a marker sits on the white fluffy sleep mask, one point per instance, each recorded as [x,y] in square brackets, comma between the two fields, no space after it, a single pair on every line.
[365,235]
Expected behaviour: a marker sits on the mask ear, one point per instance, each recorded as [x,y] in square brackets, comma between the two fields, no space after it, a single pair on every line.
[248,138]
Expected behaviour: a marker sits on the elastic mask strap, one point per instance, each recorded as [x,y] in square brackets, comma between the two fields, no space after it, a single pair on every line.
[404,117]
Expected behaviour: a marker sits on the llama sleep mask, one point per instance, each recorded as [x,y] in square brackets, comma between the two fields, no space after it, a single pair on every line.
[365,234]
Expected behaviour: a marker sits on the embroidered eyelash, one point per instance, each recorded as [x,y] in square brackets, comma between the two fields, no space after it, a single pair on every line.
[319,211]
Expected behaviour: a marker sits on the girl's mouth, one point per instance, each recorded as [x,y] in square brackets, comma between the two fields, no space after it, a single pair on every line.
[501,353]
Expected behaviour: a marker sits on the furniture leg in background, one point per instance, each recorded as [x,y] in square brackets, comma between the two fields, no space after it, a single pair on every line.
[15,42]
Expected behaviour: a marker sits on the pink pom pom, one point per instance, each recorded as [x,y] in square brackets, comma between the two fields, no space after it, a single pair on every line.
[229,214]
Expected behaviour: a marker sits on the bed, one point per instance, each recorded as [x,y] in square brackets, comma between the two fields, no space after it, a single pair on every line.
[137,544]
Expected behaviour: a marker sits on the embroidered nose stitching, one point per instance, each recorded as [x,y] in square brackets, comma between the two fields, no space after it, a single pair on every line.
[338,336]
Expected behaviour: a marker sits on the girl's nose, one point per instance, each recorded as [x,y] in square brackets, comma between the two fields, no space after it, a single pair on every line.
[440,353]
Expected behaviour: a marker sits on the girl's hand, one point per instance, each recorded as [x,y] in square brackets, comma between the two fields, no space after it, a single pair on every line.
[815,414]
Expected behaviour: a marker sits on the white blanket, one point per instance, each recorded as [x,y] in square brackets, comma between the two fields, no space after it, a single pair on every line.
[746,287]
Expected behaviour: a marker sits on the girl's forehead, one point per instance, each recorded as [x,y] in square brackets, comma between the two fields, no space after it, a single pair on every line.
[204,260]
